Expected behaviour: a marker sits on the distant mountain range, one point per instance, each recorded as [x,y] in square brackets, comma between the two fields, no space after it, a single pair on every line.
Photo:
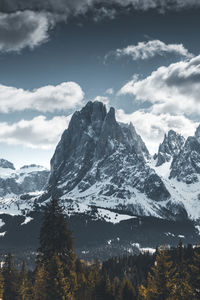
[102,170]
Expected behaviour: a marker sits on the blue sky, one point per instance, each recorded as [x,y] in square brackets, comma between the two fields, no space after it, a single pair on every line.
[144,62]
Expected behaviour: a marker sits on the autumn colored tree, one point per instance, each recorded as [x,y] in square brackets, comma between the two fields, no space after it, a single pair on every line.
[159,279]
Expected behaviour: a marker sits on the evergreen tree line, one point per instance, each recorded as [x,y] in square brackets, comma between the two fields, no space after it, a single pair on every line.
[59,275]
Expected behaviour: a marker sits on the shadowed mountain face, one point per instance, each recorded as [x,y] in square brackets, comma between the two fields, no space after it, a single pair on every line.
[170,147]
[186,165]
[28,179]
[113,193]
[99,156]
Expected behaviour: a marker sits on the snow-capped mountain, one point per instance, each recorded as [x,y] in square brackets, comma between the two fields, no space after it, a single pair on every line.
[169,148]
[104,163]
[186,165]
[100,162]
[110,187]
[27,179]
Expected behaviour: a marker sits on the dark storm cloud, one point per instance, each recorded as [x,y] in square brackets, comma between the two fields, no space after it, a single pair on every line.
[81,6]
[26,23]
[22,29]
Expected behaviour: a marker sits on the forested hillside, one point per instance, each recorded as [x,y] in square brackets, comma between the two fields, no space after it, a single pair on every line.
[60,275]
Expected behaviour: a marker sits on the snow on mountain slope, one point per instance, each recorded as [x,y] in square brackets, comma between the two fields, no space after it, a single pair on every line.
[101,162]
[105,164]
[169,148]
[182,194]
[24,180]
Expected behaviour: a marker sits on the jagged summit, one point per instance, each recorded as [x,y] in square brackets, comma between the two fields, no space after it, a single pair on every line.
[6,164]
[99,158]
[27,179]
[186,165]
[197,134]
[170,147]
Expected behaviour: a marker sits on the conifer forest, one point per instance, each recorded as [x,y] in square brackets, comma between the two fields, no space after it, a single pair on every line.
[168,274]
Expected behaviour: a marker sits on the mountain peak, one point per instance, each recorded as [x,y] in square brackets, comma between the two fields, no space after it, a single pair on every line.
[6,164]
[197,134]
[170,147]
[99,155]
[186,166]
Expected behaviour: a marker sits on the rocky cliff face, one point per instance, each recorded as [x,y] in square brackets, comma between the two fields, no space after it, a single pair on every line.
[99,158]
[170,147]
[25,180]
[186,165]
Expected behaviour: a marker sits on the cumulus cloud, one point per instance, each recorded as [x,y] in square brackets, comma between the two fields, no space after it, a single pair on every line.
[23,29]
[26,23]
[36,133]
[64,96]
[146,50]
[174,103]
[174,89]
[104,13]
[109,91]
[153,127]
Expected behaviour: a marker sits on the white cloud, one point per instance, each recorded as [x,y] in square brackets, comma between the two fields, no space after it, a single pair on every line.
[146,50]
[152,127]
[36,133]
[109,91]
[64,96]
[174,103]
[174,89]
[26,23]
[104,13]
[23,29]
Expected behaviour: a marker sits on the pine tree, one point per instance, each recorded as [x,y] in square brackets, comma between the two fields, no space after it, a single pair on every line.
[10,275]
[195,274]
[24,291]
[58,286]
[127,290]
[81,292]
[104,289]
[55,237]
[180,283]
[1,284]
[158,282]
[40,284]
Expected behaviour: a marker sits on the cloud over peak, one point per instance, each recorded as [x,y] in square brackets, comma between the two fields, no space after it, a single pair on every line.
[36,133]
[50,98]
[174,89]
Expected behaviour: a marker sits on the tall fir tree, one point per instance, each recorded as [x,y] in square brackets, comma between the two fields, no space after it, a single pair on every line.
[1,284]
[24,288]
[56,241]
[58,286]
[11,279]
[181,288]
[104,289]
[195,274]
[55,237]
[127,291]
[158,282]
[40,283]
